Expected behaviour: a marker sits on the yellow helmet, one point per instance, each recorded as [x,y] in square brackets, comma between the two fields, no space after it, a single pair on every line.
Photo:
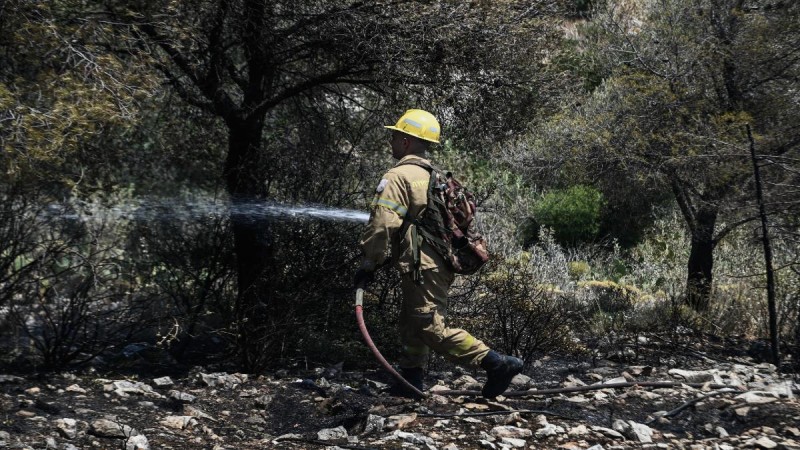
[418,123]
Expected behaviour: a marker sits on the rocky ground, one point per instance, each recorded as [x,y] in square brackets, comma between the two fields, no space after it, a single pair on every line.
[710,402]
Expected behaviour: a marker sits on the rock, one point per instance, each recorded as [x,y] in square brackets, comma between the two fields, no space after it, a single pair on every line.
[179,422]
[513,442]
[75,388]
[762,442]
[693,376]
[465,382]
[572,381]
[255,420]
[608,432]
[615,380]
[67,427]
[195,412]
[182,397]
[510,431]
[138,442]
[223,379]
[549,430]
[487,444]
[579,430]
[635,431]
[413,438]
[506,419]
[263,401]
[110,428]
[373,424]
[125,388]
[10,379]
[640,370]
[756,397]
[286,436]
[329,434]
[400,421]
[163,382]
[33,391]
[641,432]
[520,381]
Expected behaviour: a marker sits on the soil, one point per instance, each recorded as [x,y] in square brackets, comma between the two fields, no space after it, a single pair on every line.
[301,402]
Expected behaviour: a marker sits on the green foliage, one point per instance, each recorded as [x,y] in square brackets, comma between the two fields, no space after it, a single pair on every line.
[579,269]
[573,213]
[60,87]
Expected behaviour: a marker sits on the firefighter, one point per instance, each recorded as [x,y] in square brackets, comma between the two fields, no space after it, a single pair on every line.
[425,277]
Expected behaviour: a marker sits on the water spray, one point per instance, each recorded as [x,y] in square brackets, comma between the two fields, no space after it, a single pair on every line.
[168,209]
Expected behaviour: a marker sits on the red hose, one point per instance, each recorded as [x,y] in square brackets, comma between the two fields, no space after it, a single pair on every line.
[371,345]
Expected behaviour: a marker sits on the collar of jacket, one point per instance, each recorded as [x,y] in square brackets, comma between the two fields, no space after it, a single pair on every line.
[409,157]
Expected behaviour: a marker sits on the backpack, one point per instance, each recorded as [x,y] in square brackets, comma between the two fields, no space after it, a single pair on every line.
[447,223]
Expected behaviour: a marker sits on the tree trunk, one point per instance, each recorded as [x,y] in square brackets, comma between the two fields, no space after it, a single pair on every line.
[252,243]
[701,259]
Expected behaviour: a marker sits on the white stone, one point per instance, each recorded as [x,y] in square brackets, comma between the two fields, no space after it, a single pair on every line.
[163,381]
[123,388]
[138,442]
[223,379]
[513,442]
[328,434]
[67,427]
[549,430]
[762,442]
[607,432]
[487,444]
[510,431]
[414,438]
[374,424]
[520,381]
[182,397]
[110,428]
[579,430]
[696,376]
[179,422]
[400,421]
[756,397]
[75,388]
[641,432]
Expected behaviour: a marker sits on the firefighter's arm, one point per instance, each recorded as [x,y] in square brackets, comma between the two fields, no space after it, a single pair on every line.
[389,206]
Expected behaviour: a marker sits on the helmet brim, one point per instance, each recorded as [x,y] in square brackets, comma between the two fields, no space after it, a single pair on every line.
[392,127]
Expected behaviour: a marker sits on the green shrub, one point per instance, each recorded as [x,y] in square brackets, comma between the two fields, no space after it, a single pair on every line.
[573,214]
[578,269]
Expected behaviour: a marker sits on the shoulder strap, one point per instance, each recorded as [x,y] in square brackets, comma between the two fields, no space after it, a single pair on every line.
[420,163]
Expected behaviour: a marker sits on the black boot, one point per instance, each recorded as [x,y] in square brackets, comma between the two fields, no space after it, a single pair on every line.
[500,369]
[414,376]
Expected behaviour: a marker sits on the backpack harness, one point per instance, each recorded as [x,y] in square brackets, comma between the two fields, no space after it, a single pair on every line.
[447,224]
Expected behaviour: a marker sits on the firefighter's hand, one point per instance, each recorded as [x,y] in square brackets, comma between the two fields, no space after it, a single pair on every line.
[362,278]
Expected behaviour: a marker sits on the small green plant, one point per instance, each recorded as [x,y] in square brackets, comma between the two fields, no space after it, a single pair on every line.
[573,214]
[578,269]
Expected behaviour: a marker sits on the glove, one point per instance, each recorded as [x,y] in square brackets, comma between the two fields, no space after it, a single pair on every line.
[362,278]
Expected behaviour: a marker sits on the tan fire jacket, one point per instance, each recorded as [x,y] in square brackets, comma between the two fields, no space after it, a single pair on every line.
[403,188]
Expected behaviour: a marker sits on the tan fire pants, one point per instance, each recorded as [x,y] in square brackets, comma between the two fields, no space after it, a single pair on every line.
[422,323]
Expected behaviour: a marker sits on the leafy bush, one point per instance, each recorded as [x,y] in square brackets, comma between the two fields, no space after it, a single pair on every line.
[518,313]
[573,214]
[73,295]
